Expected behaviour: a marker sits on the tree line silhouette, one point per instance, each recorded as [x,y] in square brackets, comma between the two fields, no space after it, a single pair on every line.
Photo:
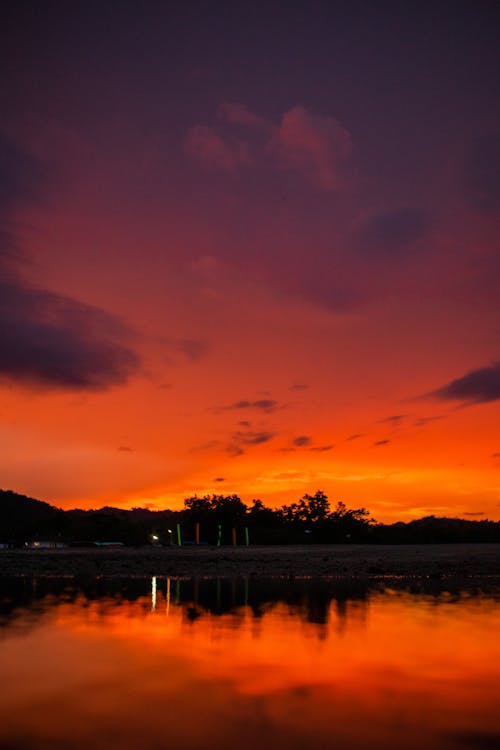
[226,519]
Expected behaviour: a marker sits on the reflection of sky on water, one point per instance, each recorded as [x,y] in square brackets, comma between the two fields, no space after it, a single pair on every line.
[293,664]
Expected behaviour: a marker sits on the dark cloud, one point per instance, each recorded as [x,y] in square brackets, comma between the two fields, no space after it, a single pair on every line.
[298,387]
[382,442]
[475,387]
[322,448]
[475,513]
[394,419]
[254,438]
[392,234]
[240,440]
[423,421]
[482,173]
[244,423]
[219,479]
[125,449]
[302,440]
[47,339]
[356,436]
[51,340]
[263,404]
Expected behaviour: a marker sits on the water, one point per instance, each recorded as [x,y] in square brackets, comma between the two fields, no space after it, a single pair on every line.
[164,663]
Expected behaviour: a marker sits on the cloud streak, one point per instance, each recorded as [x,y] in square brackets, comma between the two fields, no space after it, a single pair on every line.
[475,387]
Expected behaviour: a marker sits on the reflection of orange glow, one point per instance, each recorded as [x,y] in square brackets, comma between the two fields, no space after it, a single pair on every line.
[395,664]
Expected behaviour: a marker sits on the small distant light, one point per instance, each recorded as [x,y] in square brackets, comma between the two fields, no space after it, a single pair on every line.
[169,531]
[154,537]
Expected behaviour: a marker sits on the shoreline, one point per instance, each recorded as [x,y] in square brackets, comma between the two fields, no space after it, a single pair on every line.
[337,561]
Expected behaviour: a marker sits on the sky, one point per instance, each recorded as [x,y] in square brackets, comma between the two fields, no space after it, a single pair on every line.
[251,248]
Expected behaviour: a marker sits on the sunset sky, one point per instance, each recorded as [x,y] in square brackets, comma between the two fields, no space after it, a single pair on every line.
[252,248]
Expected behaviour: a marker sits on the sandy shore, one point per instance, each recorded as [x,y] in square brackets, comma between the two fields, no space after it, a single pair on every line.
[343,561]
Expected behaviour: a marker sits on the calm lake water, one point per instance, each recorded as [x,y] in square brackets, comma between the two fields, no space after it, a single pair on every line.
[164,663]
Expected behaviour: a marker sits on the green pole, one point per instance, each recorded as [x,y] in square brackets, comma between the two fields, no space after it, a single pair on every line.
[219,534]
[247,538]
[179,540]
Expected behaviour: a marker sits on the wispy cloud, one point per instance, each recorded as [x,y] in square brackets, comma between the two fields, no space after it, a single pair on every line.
[423,421]
[317,147]
[266,405]
[298,387]
[394,420]
[192,349]
[213,150]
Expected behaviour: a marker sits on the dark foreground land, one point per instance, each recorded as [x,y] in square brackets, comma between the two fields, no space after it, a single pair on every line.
[342,561]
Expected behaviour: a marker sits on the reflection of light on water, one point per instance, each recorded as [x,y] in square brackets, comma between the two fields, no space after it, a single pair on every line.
[168,595]
[153,594]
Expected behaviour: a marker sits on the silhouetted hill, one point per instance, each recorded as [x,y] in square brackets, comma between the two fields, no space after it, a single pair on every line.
[311,521]
[24,517]
[433,530]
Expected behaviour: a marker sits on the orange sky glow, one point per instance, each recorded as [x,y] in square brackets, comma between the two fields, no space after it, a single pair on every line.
[220,276]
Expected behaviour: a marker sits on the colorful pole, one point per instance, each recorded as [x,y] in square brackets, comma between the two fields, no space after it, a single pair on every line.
[197,533]
[179,540]
[247,537]
[219,534]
